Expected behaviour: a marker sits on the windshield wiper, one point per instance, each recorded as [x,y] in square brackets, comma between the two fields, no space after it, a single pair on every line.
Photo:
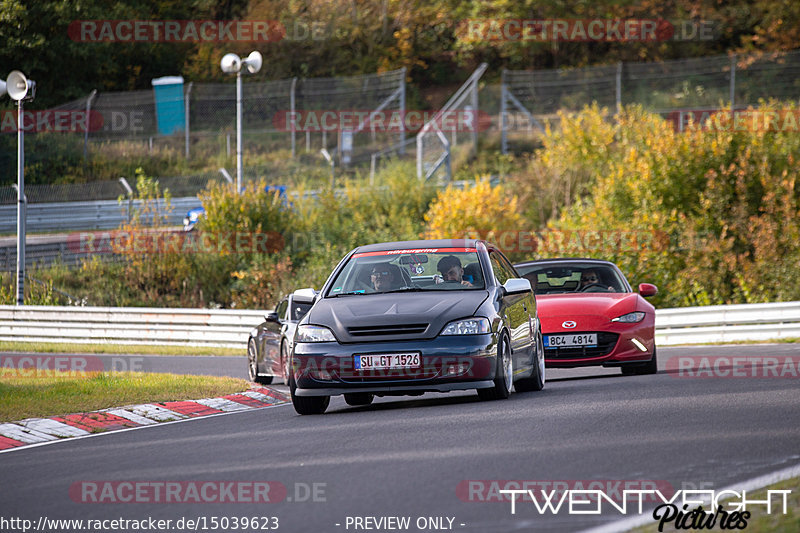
[405,289]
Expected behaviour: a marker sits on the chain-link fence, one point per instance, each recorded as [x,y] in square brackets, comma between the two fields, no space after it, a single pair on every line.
[679,87]
[348,116]
[452,134]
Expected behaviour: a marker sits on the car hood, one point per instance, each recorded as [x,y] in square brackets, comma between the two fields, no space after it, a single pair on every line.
[555,308]
[394,316]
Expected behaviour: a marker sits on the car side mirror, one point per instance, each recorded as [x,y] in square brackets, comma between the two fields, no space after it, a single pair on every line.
[306,296]
[271,316]
[647,289]
[516,286]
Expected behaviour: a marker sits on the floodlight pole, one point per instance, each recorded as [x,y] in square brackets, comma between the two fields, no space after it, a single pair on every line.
[239,131]
[20,206]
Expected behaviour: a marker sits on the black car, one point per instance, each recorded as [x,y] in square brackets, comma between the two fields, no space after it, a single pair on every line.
[270,343]
[405,318]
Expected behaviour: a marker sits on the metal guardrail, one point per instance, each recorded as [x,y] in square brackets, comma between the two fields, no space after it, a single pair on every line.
[100,214]
[728,323]
[128,325]
[230,328]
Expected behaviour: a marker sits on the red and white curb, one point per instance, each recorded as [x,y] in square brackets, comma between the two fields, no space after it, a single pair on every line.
[42,430]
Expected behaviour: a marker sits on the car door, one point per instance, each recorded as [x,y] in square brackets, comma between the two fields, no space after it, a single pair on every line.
[516,308]
[271,339]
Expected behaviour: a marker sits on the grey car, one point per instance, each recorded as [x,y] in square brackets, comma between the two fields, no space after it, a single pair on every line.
[270,342]
[406,318]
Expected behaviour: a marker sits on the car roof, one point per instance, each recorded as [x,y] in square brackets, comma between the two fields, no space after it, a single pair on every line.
[564,260]
[412,245]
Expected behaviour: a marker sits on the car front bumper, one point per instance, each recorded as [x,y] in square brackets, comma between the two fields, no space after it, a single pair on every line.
[446,364]
[628,348]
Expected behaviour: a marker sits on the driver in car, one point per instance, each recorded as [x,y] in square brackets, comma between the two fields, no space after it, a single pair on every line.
[590,279]
[452,271]
[384,277]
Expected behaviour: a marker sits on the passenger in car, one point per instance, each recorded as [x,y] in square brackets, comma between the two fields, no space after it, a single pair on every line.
[451,269]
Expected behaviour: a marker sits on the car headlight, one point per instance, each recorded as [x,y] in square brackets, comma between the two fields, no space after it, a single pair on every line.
[636,316]
[308,333]
[467,326]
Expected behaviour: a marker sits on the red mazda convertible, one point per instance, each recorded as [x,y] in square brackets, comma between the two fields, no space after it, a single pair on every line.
[591,316]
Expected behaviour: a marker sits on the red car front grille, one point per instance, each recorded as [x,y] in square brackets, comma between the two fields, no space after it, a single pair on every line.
[605,344]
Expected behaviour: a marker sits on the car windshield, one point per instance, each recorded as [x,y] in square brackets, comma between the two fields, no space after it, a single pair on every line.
[564,278]
[423,269]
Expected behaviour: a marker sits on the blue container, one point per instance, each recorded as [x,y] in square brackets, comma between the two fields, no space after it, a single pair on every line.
[169,104]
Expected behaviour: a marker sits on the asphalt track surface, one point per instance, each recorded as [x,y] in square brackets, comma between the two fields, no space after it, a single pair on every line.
[409,457]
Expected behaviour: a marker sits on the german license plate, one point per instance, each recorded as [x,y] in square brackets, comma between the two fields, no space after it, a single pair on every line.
[387,361]
[578,339]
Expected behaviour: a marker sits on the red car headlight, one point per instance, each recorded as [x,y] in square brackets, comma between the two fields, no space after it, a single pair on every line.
[630,318]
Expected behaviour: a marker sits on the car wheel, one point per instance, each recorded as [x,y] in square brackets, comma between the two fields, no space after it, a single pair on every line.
[285,363]
[359,398]
[651,367]
[308,405]
[537,379]
[252,364]
[503,376]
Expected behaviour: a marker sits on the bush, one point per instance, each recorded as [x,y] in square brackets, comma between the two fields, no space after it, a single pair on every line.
[724,205]
[481,210]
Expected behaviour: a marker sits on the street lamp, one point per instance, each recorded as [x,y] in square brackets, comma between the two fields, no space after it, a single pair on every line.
[231,63]
[18,88]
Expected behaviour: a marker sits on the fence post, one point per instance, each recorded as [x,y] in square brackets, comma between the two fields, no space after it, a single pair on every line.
[88,122]
[292,115]
[402,133]
[733,80]
[186,113]
[503,136]
[619,87]
[474,102]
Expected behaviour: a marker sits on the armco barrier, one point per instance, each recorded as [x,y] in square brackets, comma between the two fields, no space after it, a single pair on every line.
[99,214]
[230,328]
[128,325]
[728,323]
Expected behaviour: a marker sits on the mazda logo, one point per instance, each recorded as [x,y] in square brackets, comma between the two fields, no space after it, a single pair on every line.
[569,324]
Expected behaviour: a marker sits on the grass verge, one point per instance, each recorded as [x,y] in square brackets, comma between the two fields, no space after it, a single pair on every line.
[759,520]
[134,349]
[50,395]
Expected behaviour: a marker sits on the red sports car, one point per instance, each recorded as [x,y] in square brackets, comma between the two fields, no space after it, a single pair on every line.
[591,316]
